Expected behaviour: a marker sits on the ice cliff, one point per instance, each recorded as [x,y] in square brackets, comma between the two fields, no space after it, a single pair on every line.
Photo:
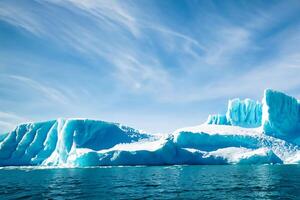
[281,115]
[250,132]
[53,142]
[244,113]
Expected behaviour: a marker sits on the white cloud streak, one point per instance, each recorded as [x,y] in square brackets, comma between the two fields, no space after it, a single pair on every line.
[49,92]
[148,56]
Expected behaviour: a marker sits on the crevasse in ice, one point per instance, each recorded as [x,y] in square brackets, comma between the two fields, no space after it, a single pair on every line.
[249,133]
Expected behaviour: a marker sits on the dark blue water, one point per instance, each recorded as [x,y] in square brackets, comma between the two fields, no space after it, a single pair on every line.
[175,182]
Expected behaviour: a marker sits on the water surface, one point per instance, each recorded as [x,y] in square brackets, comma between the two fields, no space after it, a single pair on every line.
[172,182]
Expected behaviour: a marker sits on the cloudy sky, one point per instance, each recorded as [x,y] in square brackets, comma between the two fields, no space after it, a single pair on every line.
[150,64]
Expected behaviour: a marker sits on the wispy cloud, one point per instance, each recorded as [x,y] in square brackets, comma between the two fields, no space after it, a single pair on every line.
[49,92]
[112,13]
[137,51]
[20,17]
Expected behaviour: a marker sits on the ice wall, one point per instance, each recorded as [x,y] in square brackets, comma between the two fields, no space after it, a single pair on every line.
[217,119]
[278,115]
[52,142]
[281,115]
[244,113]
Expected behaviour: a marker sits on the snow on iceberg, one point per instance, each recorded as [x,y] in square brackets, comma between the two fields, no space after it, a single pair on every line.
[249,133]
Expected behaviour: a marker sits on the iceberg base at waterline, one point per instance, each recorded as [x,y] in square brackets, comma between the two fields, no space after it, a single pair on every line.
[249,133]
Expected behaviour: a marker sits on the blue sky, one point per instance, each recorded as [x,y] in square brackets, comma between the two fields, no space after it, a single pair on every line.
[153,65]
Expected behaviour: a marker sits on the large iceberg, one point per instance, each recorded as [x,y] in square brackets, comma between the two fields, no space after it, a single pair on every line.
[52,142]
[249,132]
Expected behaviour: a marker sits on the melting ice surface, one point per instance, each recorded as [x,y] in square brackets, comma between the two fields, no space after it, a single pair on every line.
[251,132]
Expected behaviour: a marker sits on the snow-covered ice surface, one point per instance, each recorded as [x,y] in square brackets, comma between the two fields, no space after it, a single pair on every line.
[249,133]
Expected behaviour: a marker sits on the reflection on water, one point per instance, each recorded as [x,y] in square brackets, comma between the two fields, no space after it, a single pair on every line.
[172,182]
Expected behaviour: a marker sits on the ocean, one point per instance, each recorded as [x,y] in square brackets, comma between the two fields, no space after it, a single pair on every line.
[155,182]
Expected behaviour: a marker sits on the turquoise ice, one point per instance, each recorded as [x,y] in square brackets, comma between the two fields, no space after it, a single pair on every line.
[250,132]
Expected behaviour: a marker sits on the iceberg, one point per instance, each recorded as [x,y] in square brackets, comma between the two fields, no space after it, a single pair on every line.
[250,132]
[52,142]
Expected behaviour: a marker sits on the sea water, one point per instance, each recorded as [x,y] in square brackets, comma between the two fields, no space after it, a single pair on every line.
[158,182]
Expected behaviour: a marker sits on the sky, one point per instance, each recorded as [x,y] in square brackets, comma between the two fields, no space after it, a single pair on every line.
[149,64]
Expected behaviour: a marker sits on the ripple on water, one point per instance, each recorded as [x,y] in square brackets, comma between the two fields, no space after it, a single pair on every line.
[171,182]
